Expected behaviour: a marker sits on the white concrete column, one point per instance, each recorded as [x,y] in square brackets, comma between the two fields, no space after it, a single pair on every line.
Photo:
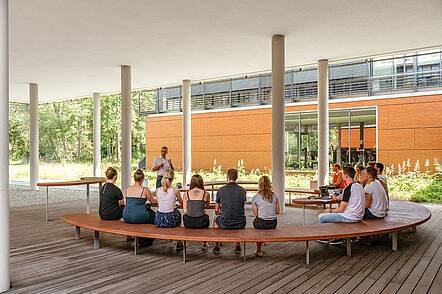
[323,122]
[278,118]
[187,133]
[97,135]
[126,126]
[4,147]
[33,130]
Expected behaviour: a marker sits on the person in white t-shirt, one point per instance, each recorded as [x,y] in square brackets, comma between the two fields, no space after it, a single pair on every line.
[352,205]
[161,164]
[376,201]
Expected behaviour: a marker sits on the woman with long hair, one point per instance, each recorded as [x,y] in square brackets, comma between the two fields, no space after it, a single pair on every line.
[195,201]
[265,208]
[168,215]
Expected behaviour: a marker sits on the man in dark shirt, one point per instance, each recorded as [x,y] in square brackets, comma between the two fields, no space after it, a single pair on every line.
[229,208]
[110,198]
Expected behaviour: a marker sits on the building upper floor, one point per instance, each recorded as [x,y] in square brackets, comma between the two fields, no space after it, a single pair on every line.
[399,73]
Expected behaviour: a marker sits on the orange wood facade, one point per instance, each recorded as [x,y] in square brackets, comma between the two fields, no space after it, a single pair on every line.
[409,128]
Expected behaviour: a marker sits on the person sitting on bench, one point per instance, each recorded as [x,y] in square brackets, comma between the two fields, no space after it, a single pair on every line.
[265,208]
[137,209]
[337,179]
[376,202]
[194,203]
[111,197]
[230,201]
[168,216]
[352,204]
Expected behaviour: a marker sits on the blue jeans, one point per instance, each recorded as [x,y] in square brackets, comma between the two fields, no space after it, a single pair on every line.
[333,218]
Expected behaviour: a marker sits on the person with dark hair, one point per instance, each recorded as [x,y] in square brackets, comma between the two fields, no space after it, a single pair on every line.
[265,207]
[371,163]
[376,201]
[138,200]
[380,169]
[111,197]
[337,180]
[196,199]
[351,208]
[358,175]
[229,207]
[161,164]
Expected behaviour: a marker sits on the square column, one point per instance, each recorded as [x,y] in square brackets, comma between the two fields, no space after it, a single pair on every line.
[126,126]
[33,130]
[5,282]
[278,118]
[323,161]
[187,133]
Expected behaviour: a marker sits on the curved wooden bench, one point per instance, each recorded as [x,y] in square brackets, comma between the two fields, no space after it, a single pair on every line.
[402,215]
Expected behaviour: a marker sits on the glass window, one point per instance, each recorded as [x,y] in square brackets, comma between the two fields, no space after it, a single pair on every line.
[352,138]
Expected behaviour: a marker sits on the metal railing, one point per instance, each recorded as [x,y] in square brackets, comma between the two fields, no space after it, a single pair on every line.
[346,80]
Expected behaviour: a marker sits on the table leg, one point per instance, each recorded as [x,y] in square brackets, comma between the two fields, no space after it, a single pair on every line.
[290,198]
[303,212]
[47,201]
[88,199]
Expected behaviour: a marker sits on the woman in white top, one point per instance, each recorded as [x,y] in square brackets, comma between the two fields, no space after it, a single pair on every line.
[168,216]
[265,208]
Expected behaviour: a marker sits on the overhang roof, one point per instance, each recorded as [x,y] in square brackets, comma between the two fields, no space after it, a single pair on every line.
[72,48]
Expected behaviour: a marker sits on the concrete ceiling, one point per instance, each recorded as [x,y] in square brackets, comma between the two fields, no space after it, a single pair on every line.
[72,48]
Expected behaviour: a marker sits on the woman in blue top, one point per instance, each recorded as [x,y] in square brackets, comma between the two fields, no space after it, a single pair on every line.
[265,208]
[138,199]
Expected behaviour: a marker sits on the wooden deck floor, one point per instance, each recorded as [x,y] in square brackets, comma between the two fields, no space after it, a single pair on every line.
[46,259]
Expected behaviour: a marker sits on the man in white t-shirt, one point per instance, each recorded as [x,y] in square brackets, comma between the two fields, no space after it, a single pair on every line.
[376,201]
[161,164]
[351,208]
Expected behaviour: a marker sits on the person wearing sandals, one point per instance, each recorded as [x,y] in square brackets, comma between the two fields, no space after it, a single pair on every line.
[265,208]
[194,203]
[137,210]
[111,197]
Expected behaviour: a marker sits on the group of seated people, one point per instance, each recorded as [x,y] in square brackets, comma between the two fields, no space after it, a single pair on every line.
[364,194]
[134,205]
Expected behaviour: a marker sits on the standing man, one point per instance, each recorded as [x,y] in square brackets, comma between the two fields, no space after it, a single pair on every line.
[161,164]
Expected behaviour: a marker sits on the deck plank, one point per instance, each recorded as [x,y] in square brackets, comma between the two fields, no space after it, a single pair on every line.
[46,259]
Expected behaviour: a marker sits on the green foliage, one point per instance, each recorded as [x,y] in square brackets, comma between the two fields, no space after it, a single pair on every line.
[66,129]
[18,132]
[432,193]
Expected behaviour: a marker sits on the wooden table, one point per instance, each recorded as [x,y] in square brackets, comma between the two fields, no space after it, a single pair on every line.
[313,201]
[83,181]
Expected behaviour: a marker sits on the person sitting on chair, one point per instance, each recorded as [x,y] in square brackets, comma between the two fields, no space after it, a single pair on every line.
[111,197]
[229,208]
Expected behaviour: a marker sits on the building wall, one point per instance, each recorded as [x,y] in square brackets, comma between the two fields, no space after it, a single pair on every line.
[408,128]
